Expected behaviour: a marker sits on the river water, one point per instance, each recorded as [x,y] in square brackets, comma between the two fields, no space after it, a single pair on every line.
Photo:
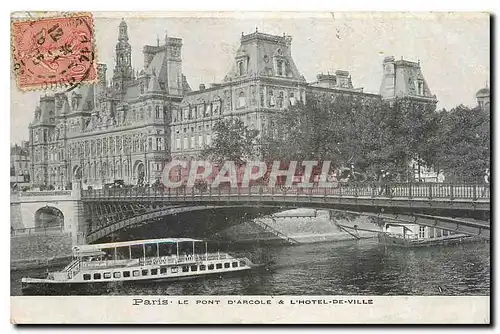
[362,267]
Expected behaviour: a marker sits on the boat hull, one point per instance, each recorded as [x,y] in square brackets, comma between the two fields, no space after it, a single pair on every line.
[389,240]
[48,287]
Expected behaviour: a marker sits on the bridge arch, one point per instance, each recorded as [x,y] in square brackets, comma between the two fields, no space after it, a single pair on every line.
[161,212]
[138,171]
[49,216]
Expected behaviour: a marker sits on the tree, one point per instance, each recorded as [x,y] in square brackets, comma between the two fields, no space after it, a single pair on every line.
[395,132]
[232,141]
[369,134]
[463,142]
[316,130]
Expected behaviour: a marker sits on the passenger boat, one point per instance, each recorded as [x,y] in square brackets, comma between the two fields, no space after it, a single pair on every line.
[137,261]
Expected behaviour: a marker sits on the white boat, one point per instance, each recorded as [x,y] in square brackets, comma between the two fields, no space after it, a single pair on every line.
[137,261]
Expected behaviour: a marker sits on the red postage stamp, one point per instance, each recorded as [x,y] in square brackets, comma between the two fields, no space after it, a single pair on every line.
[54,52]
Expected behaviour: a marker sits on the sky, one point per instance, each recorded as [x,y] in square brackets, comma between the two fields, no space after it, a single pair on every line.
[453,49]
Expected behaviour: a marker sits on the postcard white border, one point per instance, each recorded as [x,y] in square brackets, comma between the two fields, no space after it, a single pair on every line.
[460,306]
[251,310]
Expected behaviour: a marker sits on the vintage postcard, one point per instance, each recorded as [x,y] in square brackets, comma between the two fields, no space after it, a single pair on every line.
[250,168]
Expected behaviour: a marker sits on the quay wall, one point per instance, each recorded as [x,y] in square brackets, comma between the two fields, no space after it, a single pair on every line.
[302,228]
[39,250]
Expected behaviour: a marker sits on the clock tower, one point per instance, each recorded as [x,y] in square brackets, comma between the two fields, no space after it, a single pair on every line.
[123,72]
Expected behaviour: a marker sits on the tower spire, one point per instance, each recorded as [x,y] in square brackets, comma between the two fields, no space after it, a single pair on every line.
[123,33]
[123,72]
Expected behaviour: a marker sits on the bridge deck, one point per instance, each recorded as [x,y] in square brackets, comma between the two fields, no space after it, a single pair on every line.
[432,196]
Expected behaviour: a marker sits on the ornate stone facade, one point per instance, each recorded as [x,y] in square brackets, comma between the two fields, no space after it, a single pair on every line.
[128,129]
[100,133]
[263,80]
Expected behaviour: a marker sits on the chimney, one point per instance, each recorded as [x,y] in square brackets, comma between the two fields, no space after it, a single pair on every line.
[202,86]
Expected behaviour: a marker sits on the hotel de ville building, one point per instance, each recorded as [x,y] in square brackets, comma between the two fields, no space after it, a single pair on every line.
[127,129]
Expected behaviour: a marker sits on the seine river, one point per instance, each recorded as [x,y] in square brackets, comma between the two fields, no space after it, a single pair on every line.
[344,268]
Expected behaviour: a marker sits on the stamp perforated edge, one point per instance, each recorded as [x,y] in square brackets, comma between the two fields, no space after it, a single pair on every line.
[39,15]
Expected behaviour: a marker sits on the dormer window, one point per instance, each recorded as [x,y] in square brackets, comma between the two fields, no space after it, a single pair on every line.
[292,99]
[241,68]
[279,67]
[420,87]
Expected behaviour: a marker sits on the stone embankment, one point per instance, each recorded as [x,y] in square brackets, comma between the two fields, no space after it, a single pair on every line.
[39,250]
[302,226]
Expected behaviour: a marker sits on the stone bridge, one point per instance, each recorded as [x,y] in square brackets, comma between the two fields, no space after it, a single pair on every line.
[90,215]
[457,207]
[42,211]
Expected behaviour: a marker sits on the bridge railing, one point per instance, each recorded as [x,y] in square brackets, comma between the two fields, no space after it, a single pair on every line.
[36,230]
[372,190]
[44,193]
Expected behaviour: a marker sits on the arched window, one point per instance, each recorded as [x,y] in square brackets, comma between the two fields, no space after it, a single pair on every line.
[241,100]
[241,69]
[279,67]
[292,99]
[118,169]
[125,168]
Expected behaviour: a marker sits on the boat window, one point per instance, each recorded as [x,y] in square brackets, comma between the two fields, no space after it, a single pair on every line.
[242,263]
[137,252]
[122,253]
[174,270]
[194,268]
[167,249]
[107,275]
[185,269]
[86,277]
[227,265]
[163,270]
[126,274]
[150,250]
[97,276]
[210,267]
[135,273]
[154,271]
[144,272]
[117,275]
[203,267]
[218,265]
[235,264]
[110,253]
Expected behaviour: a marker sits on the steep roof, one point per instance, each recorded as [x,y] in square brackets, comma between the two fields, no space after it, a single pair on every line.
[154,84]
[260,54]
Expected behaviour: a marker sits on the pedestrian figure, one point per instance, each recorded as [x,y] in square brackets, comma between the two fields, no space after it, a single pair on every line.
[384,179]
[486,181]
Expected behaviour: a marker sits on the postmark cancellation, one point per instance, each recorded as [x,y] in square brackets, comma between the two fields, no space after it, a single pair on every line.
[53,52]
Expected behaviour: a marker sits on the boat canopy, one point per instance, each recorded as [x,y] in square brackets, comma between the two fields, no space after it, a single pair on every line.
[88,252]
[96,247]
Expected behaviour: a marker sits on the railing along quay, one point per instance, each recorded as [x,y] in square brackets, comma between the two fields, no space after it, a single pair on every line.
[430,191]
